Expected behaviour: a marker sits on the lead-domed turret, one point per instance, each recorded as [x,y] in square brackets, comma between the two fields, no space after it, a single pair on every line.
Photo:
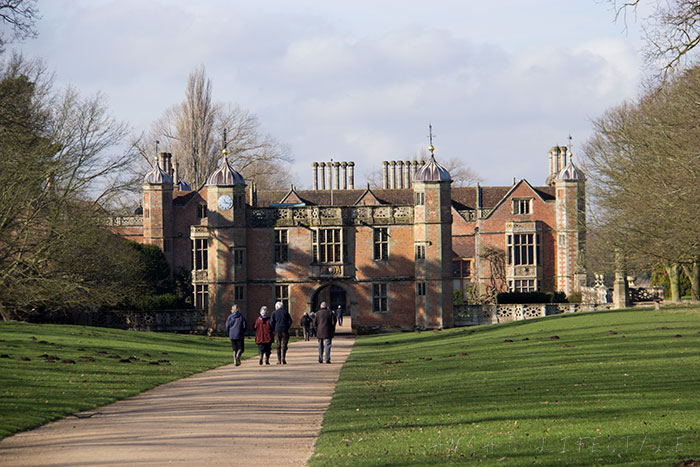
[570,172]
[225,175]
[432,171]
[157,176]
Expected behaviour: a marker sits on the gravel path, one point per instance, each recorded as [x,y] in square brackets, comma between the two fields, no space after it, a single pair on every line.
[248,415]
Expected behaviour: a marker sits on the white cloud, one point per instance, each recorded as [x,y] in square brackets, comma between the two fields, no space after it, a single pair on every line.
[501,85]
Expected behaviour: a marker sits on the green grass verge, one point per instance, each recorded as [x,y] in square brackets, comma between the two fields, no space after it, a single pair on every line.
[69,369]
[586,389]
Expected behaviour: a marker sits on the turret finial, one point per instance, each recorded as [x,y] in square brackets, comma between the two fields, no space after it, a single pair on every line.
[224,152]
[431,148]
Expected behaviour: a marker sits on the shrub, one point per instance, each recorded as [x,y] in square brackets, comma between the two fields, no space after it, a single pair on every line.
[166,301]
[457,297]
[575,297]
[155,271]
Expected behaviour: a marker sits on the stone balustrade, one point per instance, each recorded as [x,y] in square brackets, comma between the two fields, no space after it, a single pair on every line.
[471,315]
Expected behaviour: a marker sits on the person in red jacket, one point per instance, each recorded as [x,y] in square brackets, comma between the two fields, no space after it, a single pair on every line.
[263,335]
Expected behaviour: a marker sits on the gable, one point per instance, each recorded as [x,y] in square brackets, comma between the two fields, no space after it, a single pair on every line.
[460,225]
[522,189]
[292,198]
[368,199]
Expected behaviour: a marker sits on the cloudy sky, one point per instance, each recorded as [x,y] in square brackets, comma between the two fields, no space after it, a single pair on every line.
[501,82]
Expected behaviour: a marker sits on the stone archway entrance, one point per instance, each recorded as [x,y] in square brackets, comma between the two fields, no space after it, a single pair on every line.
[336,294]
[332,294]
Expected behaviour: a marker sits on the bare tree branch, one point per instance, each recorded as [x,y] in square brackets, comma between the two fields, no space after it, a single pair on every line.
[20,17]
[193,131]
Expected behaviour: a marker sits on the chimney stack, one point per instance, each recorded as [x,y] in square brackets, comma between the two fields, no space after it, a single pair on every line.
[337,177]
[336,173]
[562,158]
[323,175]
[176,175]
[315,174]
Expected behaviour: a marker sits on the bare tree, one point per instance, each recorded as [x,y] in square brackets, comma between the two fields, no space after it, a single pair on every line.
[671,32]
[461,174]
[19,16]
[644,170]
[496,260]
[194,129]
[57,158]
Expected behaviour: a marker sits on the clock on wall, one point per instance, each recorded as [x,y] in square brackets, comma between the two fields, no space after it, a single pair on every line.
[225,202]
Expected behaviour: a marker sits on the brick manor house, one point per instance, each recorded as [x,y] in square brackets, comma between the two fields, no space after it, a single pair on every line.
[391,256]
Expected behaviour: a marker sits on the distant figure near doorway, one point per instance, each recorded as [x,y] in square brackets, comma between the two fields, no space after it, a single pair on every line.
[306,325]
[339,315]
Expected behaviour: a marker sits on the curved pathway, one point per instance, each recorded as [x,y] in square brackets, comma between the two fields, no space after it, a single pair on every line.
[247,415]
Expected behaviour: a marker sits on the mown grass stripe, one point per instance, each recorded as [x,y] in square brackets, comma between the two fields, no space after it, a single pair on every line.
[586,389]
[101,366]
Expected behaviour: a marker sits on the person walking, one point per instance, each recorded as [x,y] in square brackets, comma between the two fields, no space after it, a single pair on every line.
[236,326]
[280,322]
[263,335]
[324,322]
[306,325]
[339,315]
[313,320]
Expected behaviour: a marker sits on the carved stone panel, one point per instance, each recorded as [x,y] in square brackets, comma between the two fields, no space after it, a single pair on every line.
[200,276]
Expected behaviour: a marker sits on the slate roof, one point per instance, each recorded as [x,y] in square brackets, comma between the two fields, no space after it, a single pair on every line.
[181,198]
[462,197]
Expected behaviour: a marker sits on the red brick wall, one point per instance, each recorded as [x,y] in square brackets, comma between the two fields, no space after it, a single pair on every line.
[492,231]
[400,253]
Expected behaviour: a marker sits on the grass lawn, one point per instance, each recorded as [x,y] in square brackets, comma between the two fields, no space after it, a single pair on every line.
[50,371]
[597,388]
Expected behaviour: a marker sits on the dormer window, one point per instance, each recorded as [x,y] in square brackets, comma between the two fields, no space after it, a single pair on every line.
[522,206]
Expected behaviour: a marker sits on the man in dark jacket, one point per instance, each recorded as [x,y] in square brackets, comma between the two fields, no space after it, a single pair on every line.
[236,325]
[324,322]
[306,325]
[339,315]
[280,323]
